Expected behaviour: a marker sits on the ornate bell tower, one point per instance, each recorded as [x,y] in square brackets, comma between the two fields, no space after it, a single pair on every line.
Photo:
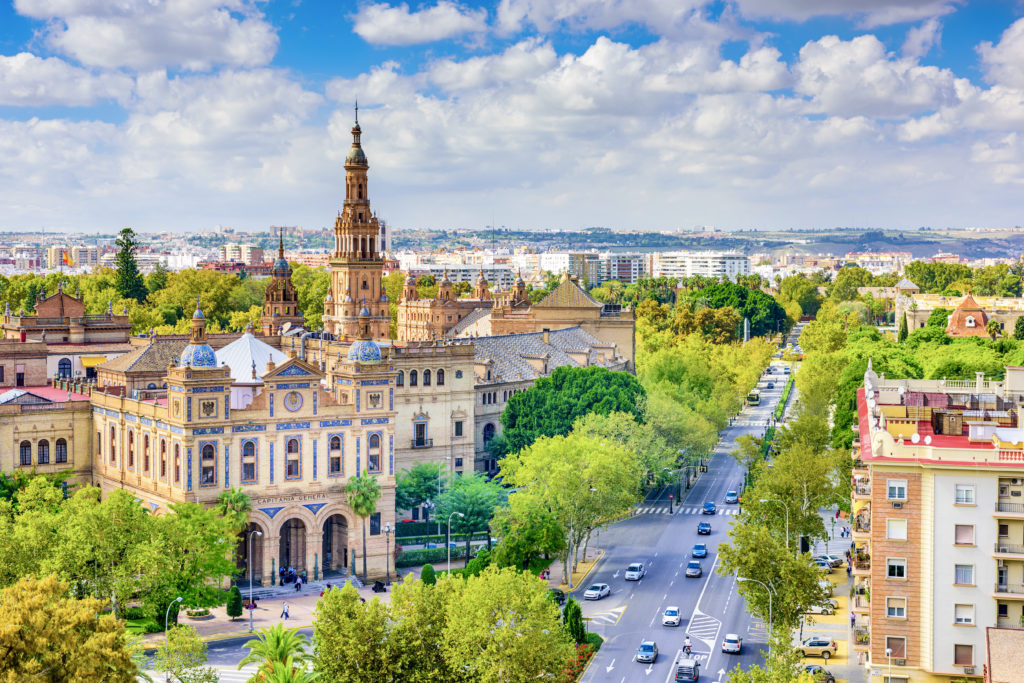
[357,264]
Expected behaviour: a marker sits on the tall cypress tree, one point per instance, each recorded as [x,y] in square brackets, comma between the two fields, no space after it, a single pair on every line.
[902,335]
[129,282]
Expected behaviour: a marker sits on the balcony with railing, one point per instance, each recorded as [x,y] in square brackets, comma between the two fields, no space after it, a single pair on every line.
[861,564]
[1010,510]
[862,489]
[862,525]
[861,638]
[1009,591]
[422,443]
[1004,550]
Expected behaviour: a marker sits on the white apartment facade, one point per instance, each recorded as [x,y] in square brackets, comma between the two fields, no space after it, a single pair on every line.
[715,264]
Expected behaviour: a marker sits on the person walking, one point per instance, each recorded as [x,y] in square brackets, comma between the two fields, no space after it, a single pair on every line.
[853,619]
[298,584]
[284,610]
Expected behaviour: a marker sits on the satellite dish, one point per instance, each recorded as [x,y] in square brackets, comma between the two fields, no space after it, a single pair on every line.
[916,437]
[928,440]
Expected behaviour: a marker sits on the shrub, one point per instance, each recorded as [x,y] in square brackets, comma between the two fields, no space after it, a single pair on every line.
[404,529]
[418,556]
[427,575]
[134,613]
[234,606]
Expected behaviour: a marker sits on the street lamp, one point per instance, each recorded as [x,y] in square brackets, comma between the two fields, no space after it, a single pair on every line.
[167,631]
[387,551]
[439,463]
[770,591]
[888,653]
[449,541]
[784,507]
[248,561]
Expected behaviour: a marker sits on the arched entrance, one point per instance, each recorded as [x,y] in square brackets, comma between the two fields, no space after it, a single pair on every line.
[335,544]
[292,551]
[242,555]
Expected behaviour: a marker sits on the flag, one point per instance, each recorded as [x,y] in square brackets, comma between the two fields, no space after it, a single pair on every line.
[65,258]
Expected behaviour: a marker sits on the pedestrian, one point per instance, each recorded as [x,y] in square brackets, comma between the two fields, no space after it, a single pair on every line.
[284,610]
[849,569]
[853,619]
[303,576]
[298,584]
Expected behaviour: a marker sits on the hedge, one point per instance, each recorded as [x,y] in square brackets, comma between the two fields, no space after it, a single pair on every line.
[781,407]
[434,538]
[403,529]
[418,556]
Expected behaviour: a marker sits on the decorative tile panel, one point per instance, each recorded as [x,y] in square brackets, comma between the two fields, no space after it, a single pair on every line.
[271,512]
[291,425]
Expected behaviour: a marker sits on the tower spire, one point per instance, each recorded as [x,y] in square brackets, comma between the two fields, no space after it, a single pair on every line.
[280,242]
[357,111]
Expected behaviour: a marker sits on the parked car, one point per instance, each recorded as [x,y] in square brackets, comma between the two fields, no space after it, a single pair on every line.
[635,571]
[671,617]
[817,646]
[824,565]
[556,595]
[704,528]
[732,497]
[771,385]
[597,591]
[833,560]
[820,673]
[732,644]
[829,607]
[694,570]
[687,670]
[827,586]
[770,370]
[647,652]
[709,508]
[700,550]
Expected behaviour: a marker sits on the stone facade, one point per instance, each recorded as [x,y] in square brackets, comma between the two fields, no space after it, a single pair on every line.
[281,301]
[429,319]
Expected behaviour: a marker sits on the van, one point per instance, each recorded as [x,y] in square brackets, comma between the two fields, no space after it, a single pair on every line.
[687,670]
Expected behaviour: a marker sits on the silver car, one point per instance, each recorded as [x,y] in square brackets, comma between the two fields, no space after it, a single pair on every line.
[732,644]
[597,591]
[647,652]
[635,571]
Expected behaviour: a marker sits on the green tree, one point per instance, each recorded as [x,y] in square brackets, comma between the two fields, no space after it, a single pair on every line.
[801,290]
[939,317]
[182,654]
[552,404]
[572,618]
[351,639]
[417,485]
[844,287]
[427,575]
[993,329]
[527,529]
[475,497]
[48,636]
[129,284]
[902,336]
[157,279]
[277,644]
[234,604]
[764,312]
[235,505]
[363,493]
[822,336]
[287,671]
[1018,329]
[936,277]
[461,288]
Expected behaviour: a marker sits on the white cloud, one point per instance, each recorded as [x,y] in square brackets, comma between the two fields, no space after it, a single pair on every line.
[30,81]
[1004,61]
[143,34]
[383,24]
[870,12]
[858,77]
[683,19]
[921,39]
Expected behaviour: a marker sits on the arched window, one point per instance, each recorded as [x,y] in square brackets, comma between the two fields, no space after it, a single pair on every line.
[208,466]
[413,378]
[177,463]
[131,448]
[440,377]
[488,433]
[426,378]
[293,445]
[373,453]
[163,459]
[249,449]
[970,321]
[400,379]
[64,367]
[25,451]
[249,461]
[291,463]
[334,456]
[365,286]
[43,451]
[145,452]
[151,385]
[359,191]
[62,451]
[113,446]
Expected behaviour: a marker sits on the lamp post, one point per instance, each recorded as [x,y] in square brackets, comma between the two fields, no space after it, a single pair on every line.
[248,561]
[439,463]
[449,539]
[769,590]
[888,654]
[784,507]
[387,551]
[167,631]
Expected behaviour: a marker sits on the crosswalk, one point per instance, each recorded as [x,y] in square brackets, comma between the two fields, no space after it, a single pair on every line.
[704,627]
[225,674]
[663,510]
[607,618]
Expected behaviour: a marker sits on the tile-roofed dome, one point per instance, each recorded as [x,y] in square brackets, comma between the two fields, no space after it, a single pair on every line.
[246,352]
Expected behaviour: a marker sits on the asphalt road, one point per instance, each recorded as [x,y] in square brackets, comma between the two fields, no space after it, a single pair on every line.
[710,605]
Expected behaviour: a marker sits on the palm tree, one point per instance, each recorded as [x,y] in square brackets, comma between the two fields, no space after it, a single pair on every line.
[286,672]
[363,493]
[235,503]
[276,645]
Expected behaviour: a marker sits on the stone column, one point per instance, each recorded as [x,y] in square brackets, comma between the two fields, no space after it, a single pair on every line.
[271,562]
[314,555]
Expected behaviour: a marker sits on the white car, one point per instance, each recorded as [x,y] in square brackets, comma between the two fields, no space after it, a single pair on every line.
[732,644]
[597,591]
[635,571]
[671,617]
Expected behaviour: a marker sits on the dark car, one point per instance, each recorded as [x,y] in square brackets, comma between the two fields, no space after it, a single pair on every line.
[704,528]
[771,385]
[709,508]
[820,674]
[700,550]
[556,595]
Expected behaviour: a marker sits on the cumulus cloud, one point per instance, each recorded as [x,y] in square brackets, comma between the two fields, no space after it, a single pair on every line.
[1004,61]
[30,81]
[678,18]
[858,77]
[921,39]
[870,13]
[189,34]
[383,24]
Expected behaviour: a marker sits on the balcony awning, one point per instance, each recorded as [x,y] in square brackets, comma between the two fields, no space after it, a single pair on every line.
[93,361]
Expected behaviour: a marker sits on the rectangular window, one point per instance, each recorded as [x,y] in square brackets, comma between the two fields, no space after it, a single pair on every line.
[965,494]
[248,471]
[458,462]
[375,524]
[1,373]
[416,514]
[62,450]
[963,655]
[1004,531]
[897,489]
[964,574]
[898,645]
[964,534]
[963,614]
[1002,610]
[177,463]
[373,462]
[458,428]
[896,529]
[1004,490]
[896,608]
[896,569]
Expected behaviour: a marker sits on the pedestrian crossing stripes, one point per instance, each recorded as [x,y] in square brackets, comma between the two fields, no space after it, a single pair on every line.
[663,510]
[226,674]
[607,618]
[704,627]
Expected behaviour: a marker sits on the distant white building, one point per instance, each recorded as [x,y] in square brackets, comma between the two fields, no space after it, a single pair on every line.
[680,264]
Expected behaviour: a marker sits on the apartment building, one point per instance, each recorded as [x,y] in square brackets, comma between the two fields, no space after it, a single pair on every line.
[241,253]
[938,501]
[680,264]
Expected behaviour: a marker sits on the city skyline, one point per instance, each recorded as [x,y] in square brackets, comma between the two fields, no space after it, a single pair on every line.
[530,114]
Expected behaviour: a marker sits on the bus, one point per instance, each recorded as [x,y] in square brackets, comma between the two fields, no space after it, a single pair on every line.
[754,398]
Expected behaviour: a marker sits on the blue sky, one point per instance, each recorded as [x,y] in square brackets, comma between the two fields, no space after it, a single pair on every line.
[650,114]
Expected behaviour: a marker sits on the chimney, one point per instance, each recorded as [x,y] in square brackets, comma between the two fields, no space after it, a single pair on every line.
[545,335]
[979,381]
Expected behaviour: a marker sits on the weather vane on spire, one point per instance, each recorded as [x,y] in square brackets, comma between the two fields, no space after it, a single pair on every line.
[357,111]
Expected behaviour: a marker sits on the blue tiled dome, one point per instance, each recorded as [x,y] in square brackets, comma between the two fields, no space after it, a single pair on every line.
[364,311]
[280,266]
[364,351]
[356,156]
[198,356]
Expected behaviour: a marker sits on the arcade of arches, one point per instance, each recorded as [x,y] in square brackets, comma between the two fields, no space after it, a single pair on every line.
[321,546]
